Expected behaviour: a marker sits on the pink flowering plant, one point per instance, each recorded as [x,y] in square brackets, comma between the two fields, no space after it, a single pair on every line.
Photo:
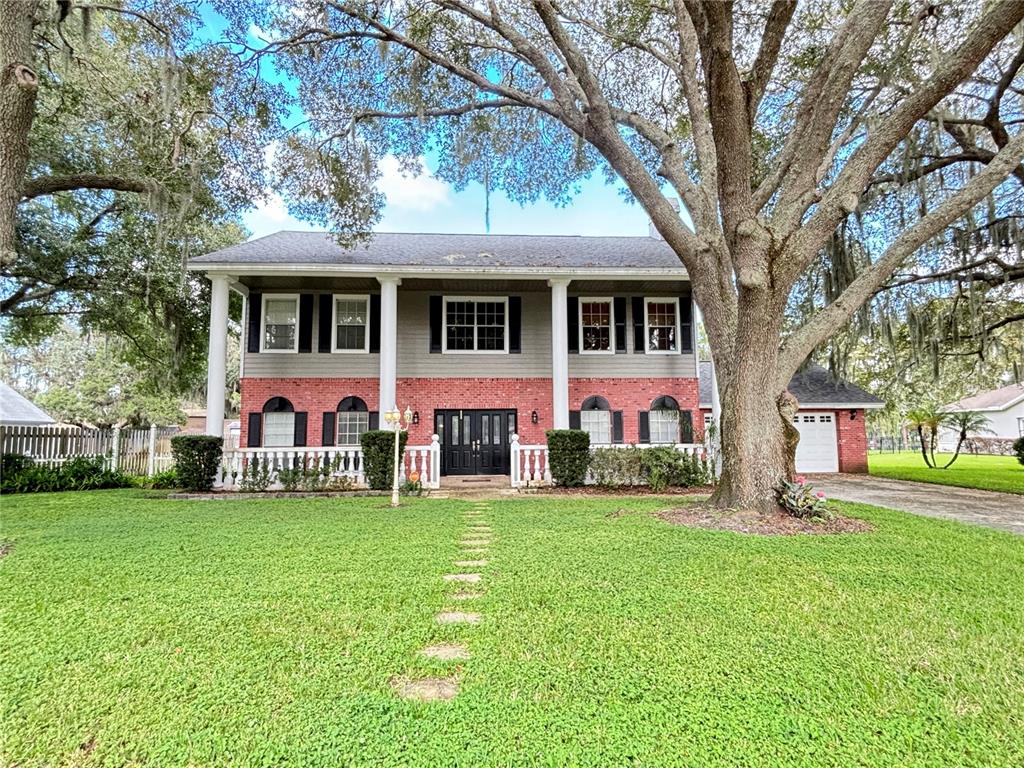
[801,500]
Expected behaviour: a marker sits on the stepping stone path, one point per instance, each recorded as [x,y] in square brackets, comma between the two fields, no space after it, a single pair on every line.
[475,542]
[426,689]
[468,578]
[475,551]
[470,563]
[458,617]
[446,652]
[464,595]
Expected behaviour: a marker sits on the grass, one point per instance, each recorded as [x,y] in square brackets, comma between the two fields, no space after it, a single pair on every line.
[990,473]
[148,632]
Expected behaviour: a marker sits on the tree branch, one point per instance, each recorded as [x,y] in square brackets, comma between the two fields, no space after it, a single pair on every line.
[768,54]
[49,185]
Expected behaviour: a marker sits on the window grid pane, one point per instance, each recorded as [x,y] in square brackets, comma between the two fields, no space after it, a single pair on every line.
[598,425]
[351,315]
[278,430]
[279,324]
[597,324]
[475,326]
[664,426]
[351,425]
[661,326]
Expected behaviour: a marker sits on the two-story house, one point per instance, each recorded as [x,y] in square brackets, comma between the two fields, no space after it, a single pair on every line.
[482,337]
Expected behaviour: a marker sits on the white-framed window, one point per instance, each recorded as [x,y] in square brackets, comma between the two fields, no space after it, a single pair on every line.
[597,326]
[597,424]
[475,324]
[280,321]
[353,419]
[1020,427]
[661,325]
[664,426]
[351,323]
[278,423]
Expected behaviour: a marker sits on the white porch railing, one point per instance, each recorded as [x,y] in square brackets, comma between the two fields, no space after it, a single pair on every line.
[134,451]
[530,462]
[341,461]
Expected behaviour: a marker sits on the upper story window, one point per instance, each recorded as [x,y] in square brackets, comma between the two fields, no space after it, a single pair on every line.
[353,419]
[351,323]
[597,319]
[661,325]
[1020,427]
[664,420]
[278,423]
[596,420]
[280,323]
[475,324]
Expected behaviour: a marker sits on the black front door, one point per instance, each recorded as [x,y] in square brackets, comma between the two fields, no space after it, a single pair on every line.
[475,442]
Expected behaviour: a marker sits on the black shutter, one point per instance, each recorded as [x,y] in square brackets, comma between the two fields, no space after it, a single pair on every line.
[324,330]
[254,436]
[436,323]
[300,429]
[645,427]
[255,312]
[375,322]
[327,436]
[686,324]
[685,426]
[306,322]
[619,305]
[617,430]
[574,419]
[515,322]
[639,345]
[374,420]
[572,319]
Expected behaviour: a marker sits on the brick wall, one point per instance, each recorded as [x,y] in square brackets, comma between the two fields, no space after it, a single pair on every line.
[853,442]
[316,395]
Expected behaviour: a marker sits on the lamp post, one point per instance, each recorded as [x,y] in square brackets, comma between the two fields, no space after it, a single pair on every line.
[393,419]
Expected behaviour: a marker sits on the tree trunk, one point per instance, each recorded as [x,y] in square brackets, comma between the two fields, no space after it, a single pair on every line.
[18,86]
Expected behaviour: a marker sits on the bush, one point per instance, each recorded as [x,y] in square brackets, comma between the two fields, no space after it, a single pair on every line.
[617,467]
[196,460]
[664,467]
[801,500]
[379,456]
[568,456]
[22,475]
[257,475]
[1018,449]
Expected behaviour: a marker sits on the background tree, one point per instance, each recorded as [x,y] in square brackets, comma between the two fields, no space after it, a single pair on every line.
[964,423]
[777,126]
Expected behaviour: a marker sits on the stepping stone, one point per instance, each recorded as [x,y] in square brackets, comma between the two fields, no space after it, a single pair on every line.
[469,578]
[458,617]
[475,542]
[446,652]
[470,563]
[464,595]
[477,551]
[426,689]
[480,529]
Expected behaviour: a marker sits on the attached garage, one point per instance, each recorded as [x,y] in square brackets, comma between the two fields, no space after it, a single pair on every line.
[818,450]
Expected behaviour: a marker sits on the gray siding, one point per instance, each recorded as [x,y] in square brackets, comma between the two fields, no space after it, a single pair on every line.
[416,360]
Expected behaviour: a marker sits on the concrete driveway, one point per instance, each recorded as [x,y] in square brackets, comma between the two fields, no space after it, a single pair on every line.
[996,510]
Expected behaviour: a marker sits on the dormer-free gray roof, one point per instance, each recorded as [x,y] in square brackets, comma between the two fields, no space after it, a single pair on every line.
[17,410]
[993,400]
[814,386]
[394,249]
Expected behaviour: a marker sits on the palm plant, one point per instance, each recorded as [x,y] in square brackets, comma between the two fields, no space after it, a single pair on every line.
[964,422]
[926,420]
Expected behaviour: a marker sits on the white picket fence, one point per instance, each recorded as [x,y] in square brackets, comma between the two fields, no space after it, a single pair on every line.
[530,462]
[134,451]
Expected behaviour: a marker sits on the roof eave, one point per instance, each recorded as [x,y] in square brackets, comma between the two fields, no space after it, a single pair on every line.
[237,269]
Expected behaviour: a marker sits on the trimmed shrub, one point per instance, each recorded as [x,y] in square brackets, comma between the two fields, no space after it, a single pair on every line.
[196,460]
[568,456]
[379,456]
[22,475]
[616,467]
[664,467]
[1018,449]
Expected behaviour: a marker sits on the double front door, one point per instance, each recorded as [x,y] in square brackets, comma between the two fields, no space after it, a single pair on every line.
[475,442]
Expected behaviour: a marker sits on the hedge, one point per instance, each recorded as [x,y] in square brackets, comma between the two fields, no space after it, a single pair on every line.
[379,456]
[196,460]
[20,474]
[568,456]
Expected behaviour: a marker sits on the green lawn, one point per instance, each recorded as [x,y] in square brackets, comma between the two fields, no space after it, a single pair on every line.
[991,473]
[156,633]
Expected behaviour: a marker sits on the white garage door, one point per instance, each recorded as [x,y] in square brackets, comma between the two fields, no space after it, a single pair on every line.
[817,450]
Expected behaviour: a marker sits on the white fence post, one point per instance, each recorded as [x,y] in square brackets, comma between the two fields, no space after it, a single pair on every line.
[435,461]
[151,458]
[514,476]
[115,460]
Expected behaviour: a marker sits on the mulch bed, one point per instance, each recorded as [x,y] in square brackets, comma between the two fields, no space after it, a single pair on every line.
[774,524]
[628,490]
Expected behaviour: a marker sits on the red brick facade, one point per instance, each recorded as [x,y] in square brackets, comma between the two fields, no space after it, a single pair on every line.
[853,441]
[316,395]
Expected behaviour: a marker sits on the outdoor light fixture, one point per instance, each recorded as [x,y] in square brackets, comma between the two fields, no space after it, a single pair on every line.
[534,417]
[853,414]
[393,418]
[415,417]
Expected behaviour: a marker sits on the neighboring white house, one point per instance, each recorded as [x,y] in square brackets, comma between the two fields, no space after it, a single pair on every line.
[18,411]
[1004,408]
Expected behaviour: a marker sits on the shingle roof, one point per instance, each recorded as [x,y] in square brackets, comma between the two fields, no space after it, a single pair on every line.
[993,400]
[814,385]
[442,250]
[16,409]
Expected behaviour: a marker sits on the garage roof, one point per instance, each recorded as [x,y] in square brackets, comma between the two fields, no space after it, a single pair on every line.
[813,387]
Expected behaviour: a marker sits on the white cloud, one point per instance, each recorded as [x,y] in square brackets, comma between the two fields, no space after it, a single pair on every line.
[271,215]
[414,192]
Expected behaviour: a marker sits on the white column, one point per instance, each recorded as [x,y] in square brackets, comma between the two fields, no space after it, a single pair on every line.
[216,357]
[559,354]
[388,341]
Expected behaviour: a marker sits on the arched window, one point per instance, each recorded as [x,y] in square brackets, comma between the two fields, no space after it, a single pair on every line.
[278,423]
[353,419]
[596,420]
[664,420]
